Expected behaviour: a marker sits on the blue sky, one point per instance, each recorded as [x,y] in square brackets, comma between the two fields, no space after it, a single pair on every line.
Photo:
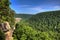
[34,6]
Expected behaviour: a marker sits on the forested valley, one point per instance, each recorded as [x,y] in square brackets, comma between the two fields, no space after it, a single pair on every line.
[40,26]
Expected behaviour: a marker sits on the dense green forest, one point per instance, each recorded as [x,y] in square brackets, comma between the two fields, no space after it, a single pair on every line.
[46,21]
[23,16]
[42,26]
[6,13]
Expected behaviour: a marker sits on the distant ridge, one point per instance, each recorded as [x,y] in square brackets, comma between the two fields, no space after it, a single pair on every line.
[23,16]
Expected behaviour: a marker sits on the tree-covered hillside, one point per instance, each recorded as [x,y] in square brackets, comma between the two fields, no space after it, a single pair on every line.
[42,26]
[25,32]
[23,16]
[46,21]
[6,15]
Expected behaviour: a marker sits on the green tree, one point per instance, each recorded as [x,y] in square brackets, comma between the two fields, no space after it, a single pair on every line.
[24,32]
[6,13]
[2,35]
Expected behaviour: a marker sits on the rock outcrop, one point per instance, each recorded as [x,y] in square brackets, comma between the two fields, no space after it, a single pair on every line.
[8,31]
[5,27]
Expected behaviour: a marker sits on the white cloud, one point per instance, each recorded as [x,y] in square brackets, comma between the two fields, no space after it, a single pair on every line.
[24,6]
[42,9]
[38,8]
[56,7]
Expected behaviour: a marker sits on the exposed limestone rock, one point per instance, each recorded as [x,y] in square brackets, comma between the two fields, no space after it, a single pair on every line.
[9,35]
[5,27]
[7,30]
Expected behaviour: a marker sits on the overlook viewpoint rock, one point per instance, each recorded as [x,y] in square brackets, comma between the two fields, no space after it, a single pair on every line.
[8,31]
